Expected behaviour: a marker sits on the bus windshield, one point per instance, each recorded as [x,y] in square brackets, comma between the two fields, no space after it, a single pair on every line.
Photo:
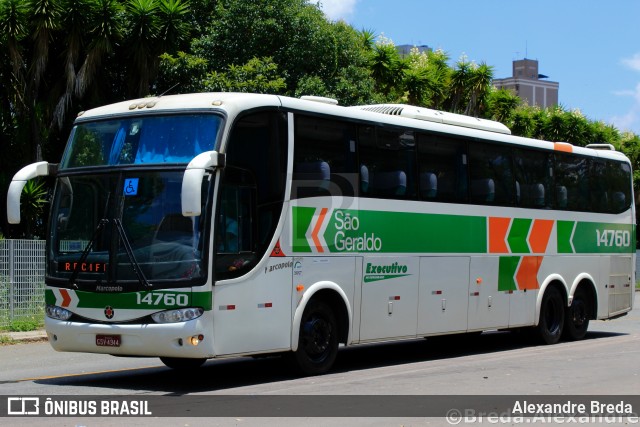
[126,227]
[141,140]
[114,223]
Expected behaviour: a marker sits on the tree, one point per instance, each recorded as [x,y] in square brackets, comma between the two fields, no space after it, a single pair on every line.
[310,52]
[105,33]
[293,32]
[386,66]
[416,77]
[502,104]
[479,83]
[439,74]
[32,204]
[459,84]
[77,20]
[256,76]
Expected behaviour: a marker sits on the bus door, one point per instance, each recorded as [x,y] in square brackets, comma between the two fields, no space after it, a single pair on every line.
[443,301]
[389,307]
[488,306]
[620,284]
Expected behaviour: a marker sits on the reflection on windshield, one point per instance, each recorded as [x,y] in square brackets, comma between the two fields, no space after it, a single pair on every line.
[143,140]
[163,243]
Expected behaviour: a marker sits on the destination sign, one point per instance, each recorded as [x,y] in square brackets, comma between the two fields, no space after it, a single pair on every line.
[85,267]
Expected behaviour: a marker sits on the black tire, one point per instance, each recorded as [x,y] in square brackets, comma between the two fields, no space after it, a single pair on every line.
[551,317]
[318,339]
[576,321]
[182,363]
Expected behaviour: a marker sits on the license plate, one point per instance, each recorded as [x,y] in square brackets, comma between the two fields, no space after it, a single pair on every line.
[108,340]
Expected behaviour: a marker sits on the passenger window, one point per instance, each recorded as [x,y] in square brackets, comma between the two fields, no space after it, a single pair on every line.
[610,183]
[533,179]
[387,163]
[571,182]
[324,158]
[442,168]
[491,179]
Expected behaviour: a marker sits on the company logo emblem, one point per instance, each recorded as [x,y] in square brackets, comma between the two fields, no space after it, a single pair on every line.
[108,312]
[23,406]
[277,251]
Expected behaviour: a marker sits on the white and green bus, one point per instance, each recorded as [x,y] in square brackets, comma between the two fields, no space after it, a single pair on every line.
[216,225]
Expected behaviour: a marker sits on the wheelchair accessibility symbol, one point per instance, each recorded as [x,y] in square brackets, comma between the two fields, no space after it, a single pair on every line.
[131,186]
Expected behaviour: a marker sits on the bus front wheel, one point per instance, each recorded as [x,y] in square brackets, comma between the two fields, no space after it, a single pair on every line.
[182,363]
[551,316]
[318,339]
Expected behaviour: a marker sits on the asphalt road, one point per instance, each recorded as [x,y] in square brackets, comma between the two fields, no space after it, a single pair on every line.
[606,362]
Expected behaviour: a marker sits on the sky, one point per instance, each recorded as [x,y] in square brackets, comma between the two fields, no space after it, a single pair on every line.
[591,47]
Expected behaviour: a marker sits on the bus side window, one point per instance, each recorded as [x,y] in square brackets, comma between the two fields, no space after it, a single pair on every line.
[324,158]
[442,168]
[388,163]
[491,174]
[533,178]
[572,183]
[615,178]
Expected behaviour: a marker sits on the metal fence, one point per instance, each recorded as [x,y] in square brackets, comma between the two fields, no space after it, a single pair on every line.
[22,264]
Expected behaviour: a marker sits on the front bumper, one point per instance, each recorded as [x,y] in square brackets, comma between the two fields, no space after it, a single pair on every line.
[168,340]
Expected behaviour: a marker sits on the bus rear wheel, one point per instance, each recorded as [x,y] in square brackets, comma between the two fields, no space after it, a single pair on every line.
[318,339]
[182,363]
[577,318]
[551,316]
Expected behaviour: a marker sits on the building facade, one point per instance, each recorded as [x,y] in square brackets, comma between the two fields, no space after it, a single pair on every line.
[527,84]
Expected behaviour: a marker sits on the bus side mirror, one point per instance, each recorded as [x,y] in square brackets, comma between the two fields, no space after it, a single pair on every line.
[191,197]
[18,182]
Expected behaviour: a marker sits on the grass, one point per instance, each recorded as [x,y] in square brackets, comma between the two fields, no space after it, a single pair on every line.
[6,340]
[26,325]
[23,325]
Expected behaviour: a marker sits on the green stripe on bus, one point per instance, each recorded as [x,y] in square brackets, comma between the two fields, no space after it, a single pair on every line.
[518,233]
[564,231]
[368,231]
[595,237]
[160,299]
[302,218]
[404,232]
[599,237]
[49,298]
[507,271]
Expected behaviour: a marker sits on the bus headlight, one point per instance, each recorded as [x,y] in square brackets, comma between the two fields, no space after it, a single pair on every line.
[58,313]
[179,315]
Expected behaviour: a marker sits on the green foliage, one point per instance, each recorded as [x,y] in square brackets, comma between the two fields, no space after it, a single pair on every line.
[294,33]
[26,324]
[257,76]
[502,105]
[6,340]
[87,149]
[27,313]
[183,73]
[32,204]
[629,144]
[387,67]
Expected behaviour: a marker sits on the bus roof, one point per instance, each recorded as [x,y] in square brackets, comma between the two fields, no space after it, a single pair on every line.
[391,114]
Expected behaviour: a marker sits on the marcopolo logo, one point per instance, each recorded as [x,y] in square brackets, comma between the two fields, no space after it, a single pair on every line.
[374,273]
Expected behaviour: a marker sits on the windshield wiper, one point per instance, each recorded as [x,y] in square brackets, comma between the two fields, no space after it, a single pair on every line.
[132,259]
